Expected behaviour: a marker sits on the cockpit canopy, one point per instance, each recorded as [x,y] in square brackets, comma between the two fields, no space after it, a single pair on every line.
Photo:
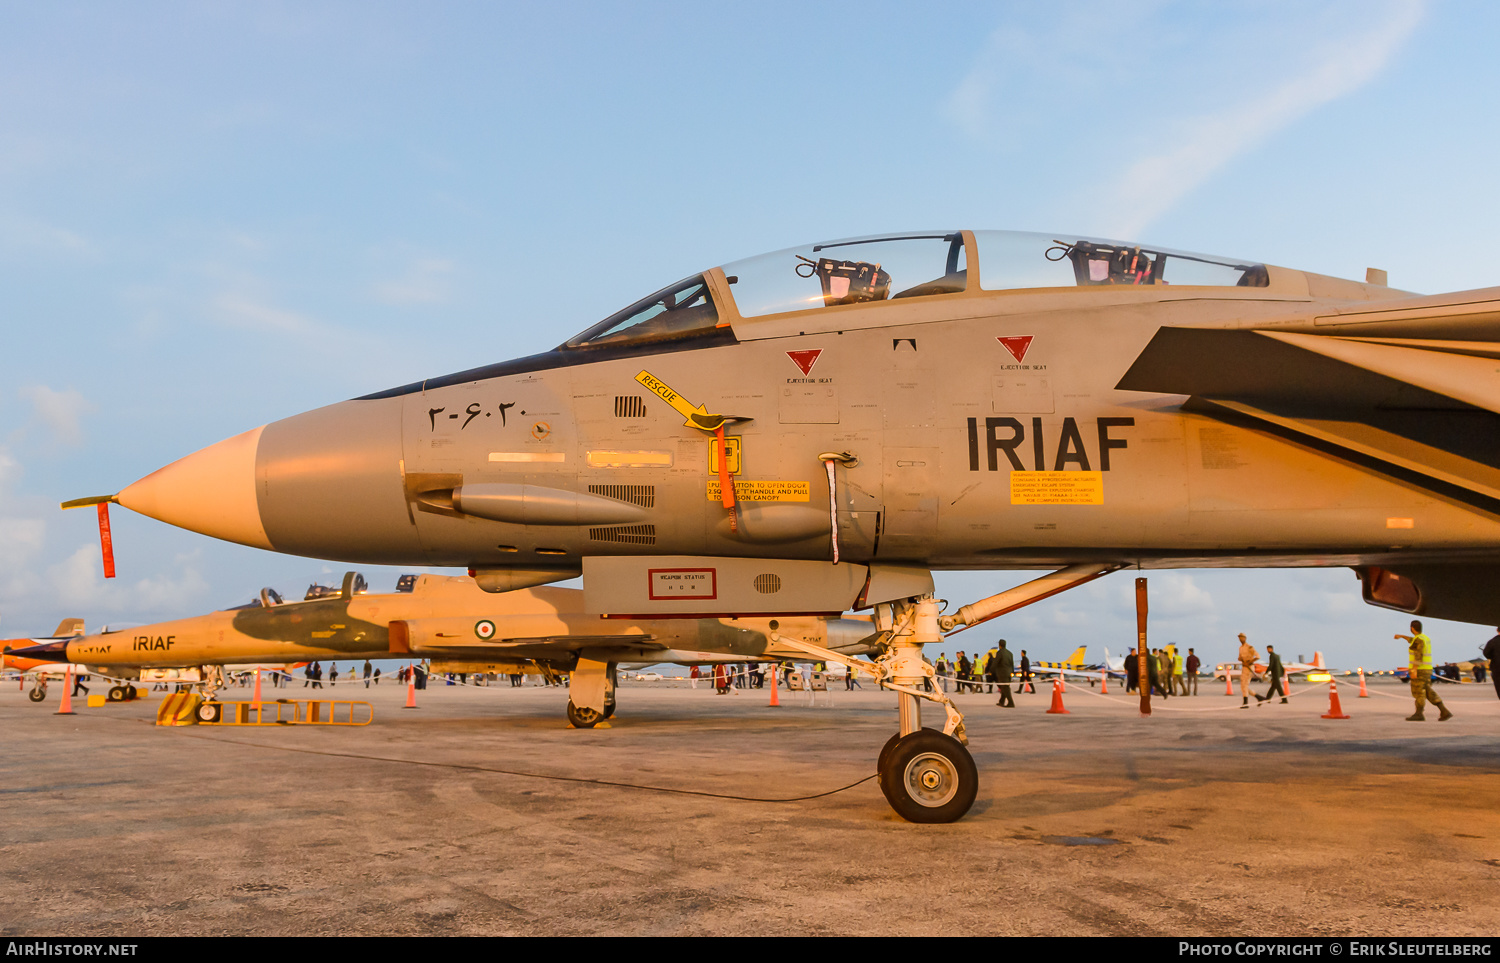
[891,267]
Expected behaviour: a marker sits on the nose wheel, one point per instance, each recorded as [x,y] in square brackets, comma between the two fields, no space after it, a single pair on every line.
[583,717]
[928,777]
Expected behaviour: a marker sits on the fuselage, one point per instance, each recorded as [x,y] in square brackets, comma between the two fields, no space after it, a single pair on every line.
[978,425]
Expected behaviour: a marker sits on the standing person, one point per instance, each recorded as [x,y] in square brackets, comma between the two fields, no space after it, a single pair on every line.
[377,675]
[1419,670]
[1026,685]
[333,673]
[1491,651]
[963,670]
[1248,655]
[1190,680]
[1132,672]
[693,676]
[942,670]
[719,682]
[1276,672]
[981,673]
[1179,672]
[1005,665]
[368,669]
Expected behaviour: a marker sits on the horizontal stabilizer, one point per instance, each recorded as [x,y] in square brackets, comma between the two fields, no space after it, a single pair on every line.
[1410,391]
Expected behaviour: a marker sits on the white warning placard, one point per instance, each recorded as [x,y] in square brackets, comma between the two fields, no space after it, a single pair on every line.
[682,583]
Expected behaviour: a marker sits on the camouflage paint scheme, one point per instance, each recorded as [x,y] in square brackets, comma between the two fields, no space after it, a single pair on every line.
[441,618]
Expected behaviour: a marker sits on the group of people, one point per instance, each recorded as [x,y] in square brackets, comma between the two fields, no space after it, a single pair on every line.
[1168,672]
[985,672]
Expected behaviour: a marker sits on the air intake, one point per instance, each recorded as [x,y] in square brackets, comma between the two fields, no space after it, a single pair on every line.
[642,495]
[768,584]
[630,406]
[630,534]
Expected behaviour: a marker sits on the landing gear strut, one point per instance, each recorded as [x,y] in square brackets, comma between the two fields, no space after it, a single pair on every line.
[38,693]
[928,775]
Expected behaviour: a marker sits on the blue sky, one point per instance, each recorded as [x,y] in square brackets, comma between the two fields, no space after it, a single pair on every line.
[216,215]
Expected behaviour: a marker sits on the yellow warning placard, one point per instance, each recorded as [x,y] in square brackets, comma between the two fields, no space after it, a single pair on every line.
[731,449]
[762,491]
[1057,488]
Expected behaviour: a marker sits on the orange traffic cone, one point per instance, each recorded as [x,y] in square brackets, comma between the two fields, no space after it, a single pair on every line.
[1335,711]
[1104,683]
[775,686]
[1057,705]
[1286,684]
[256,696]
[66,709]
[1228,684]
[1362,693]
[411,688]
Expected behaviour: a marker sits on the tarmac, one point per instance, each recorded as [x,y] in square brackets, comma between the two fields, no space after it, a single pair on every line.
[481,812]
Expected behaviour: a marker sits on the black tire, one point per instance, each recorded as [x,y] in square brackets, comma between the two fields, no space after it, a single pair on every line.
[37,694]
[885,752]
[209,712]
[116,694]
[584,718]
[609,708]
[929,777]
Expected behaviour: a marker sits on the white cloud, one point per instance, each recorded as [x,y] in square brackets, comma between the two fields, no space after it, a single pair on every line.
[239,311]
[1127,116]
[425,281]
[61,411]
[77,584]
[1202,145]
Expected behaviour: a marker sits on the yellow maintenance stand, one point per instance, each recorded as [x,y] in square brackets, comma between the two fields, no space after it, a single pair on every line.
[189,708]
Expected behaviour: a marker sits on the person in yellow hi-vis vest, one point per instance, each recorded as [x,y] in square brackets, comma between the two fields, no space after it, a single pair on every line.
[1419,670]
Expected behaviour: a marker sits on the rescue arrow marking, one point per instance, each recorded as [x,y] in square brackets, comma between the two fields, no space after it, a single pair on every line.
[697,416]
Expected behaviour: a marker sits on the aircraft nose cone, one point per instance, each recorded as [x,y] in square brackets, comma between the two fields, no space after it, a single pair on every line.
[46,652]
[211,491]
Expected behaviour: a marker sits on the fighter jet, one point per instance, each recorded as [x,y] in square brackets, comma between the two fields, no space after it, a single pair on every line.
[444,618]
[818,428]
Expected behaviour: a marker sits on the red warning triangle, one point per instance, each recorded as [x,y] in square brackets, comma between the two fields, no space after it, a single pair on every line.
[1016,346]
[806,359]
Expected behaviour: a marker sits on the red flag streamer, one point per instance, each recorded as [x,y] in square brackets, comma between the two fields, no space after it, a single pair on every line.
[106,543]
[726,481]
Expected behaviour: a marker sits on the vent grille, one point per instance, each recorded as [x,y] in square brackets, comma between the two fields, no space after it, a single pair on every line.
[642,495]
[768,584]
[630,406]
[631,534]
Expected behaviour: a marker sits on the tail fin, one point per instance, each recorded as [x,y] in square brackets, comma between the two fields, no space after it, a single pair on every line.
[69,627]
[1318,661]
[1077,657]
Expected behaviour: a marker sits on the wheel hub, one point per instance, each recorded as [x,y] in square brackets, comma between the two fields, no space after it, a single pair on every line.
[931,779]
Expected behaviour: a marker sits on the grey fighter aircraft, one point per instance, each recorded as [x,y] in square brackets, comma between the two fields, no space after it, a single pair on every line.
[443,618]
[820,427]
